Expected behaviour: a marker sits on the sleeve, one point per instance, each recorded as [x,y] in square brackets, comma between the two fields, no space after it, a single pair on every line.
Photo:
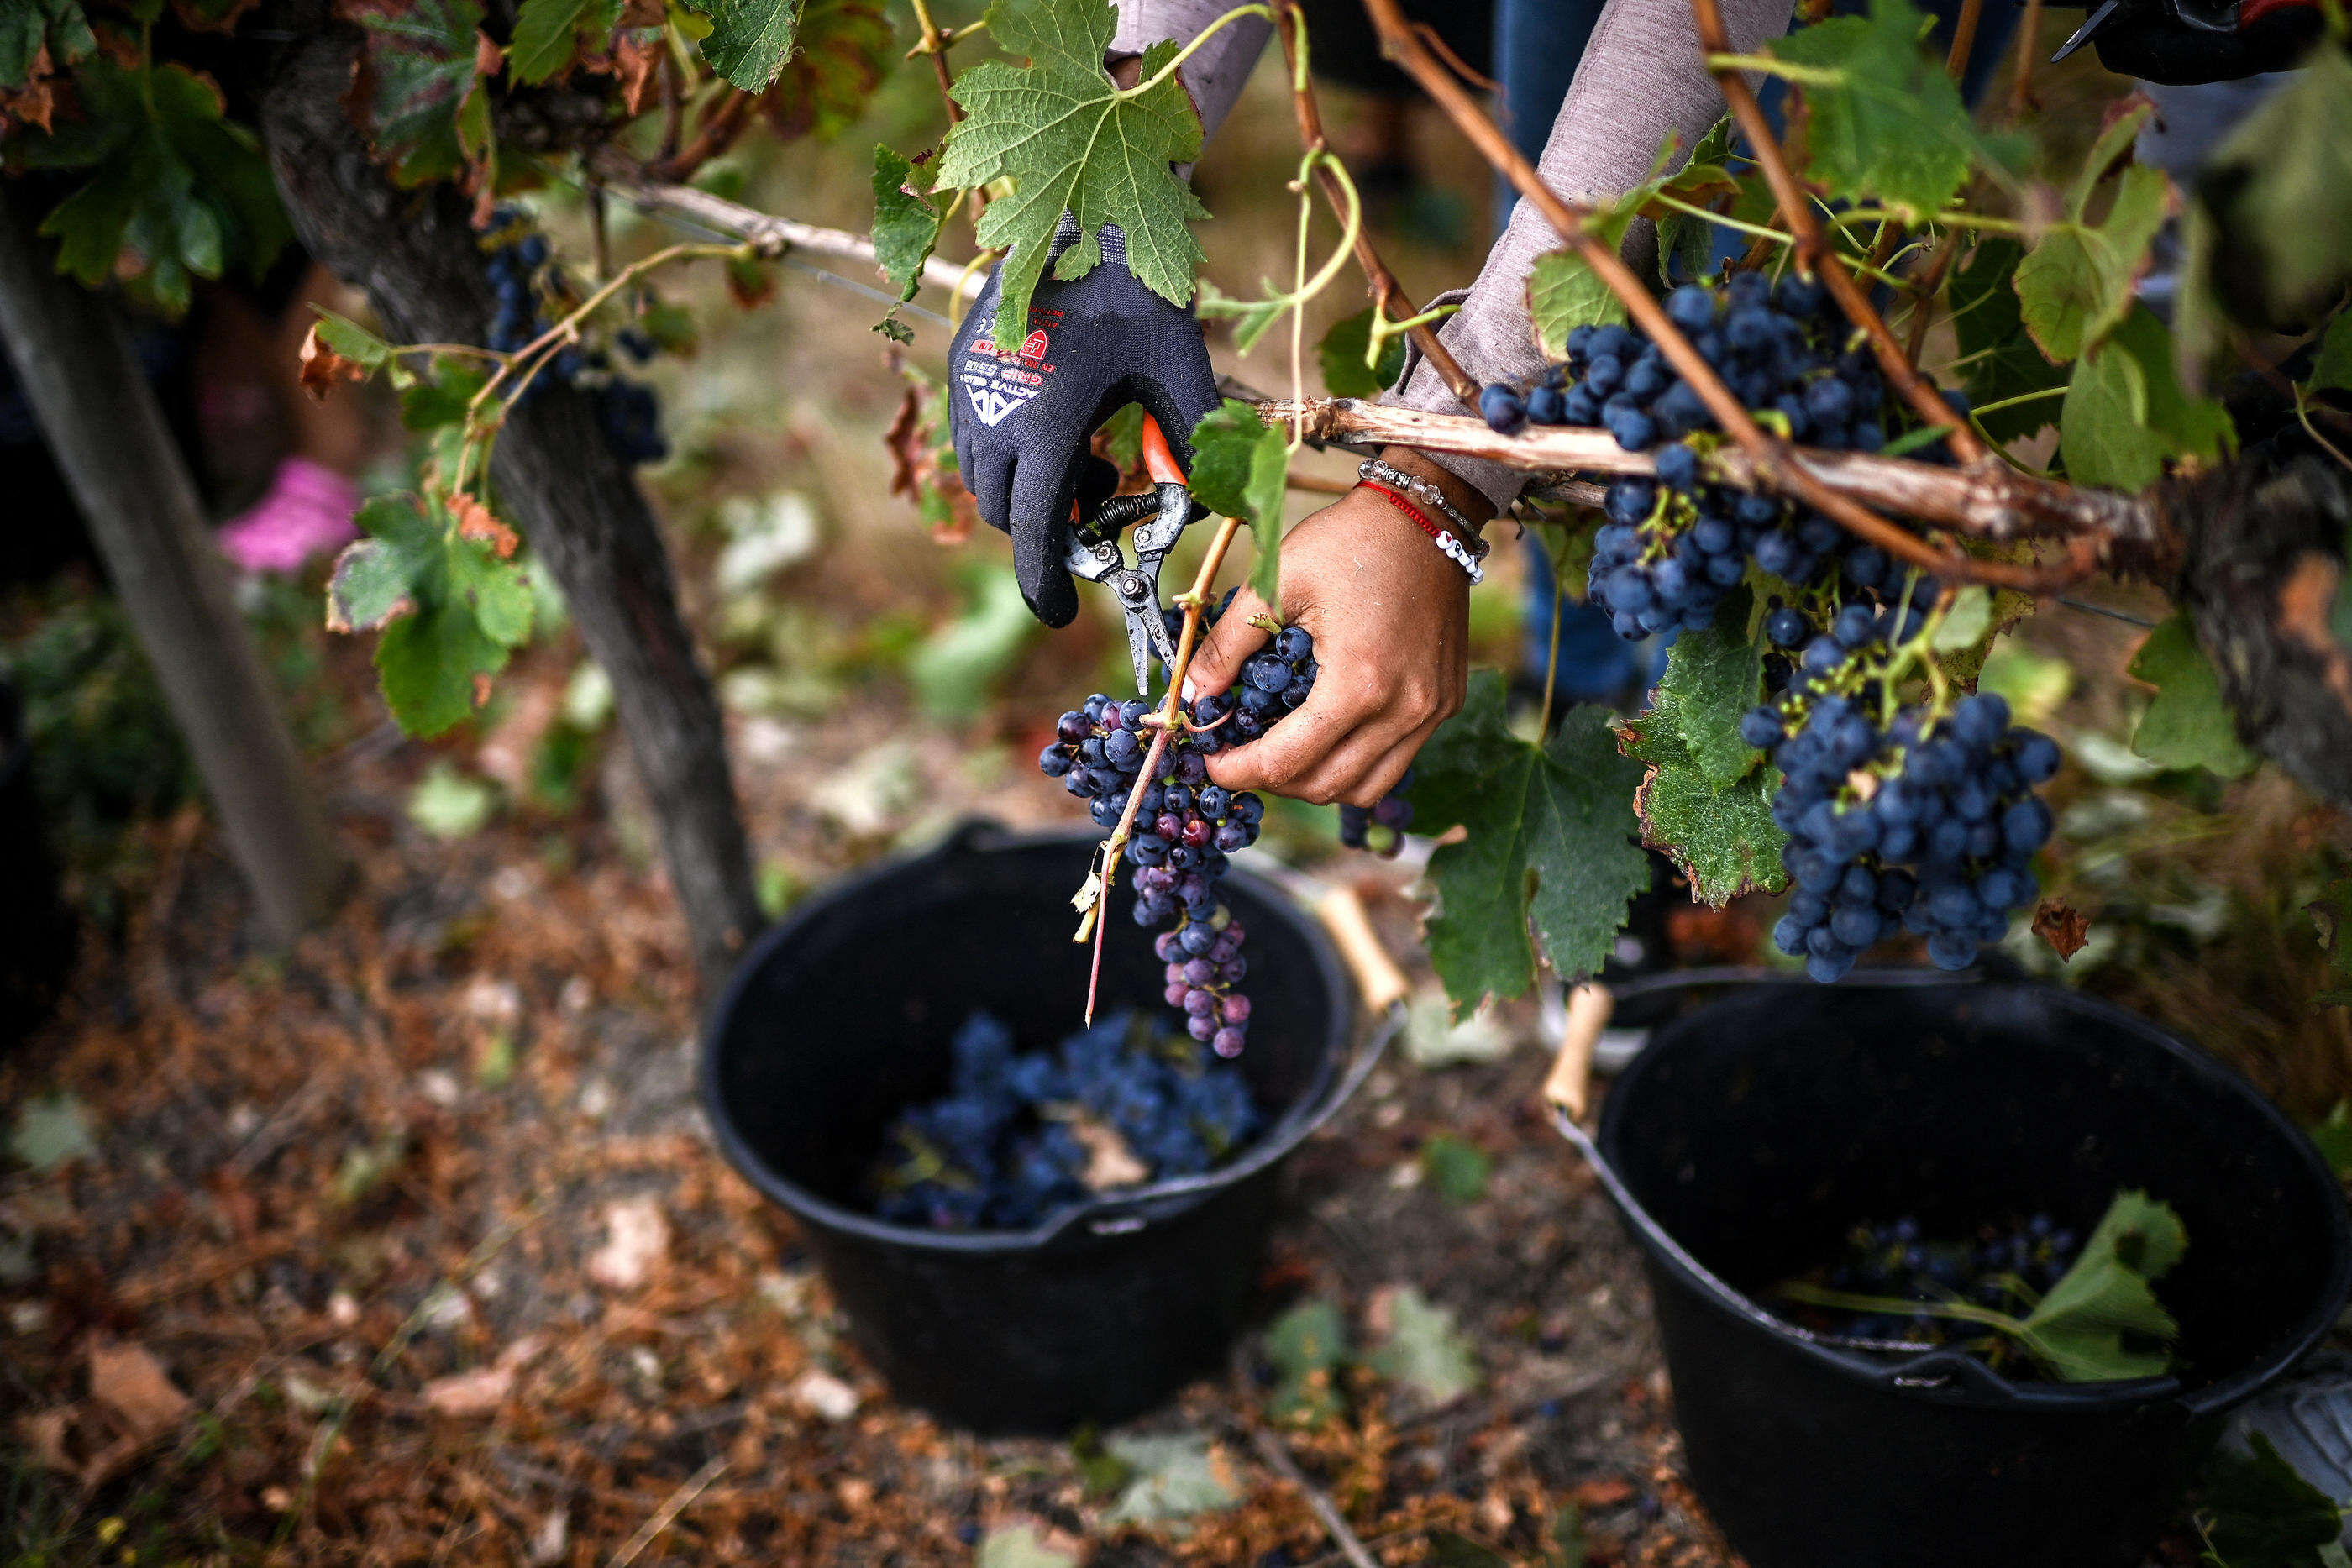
[1641,80]
[1215,74]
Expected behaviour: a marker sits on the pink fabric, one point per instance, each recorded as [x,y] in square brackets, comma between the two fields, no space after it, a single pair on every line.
[307,513]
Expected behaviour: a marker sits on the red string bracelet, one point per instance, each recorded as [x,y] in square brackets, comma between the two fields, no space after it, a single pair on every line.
[1454,549]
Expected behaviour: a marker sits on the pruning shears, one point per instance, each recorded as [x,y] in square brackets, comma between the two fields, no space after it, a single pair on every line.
[2216,20]
[1094,553]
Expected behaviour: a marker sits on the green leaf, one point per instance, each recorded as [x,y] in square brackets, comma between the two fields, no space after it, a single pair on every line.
[2113,144]
[2331,369]
[1255,317]
[447,609]
[2079,1330]
[2002,362]
[1965,623]
[844,51]
[1021,1546]
[2276,198]
[906,226]
[448,804]
[955,669]
[1424,1352]
[1721,837]
[1564,294]
[1455,1167]
[2187,724]
[2125,411]
[52,1131]
[2078,282]
[353,341]
[422,62]
[440,401]
[1347,370]
[1176,1477]
[29,27]
[1448,1550]
[749,39]
[1713,677]
[1070,140]
[1884,121]
[1549,835]
[549,35]
[2332,1135]
[173,186]
[1242,469]
[1308,1344]
[2260,1512]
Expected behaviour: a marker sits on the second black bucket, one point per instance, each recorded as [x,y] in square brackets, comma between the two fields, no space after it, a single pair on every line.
[841,1017]
[1751,1133]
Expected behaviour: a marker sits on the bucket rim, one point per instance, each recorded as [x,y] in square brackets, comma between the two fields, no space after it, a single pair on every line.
[1934,1376]
[1119,1212]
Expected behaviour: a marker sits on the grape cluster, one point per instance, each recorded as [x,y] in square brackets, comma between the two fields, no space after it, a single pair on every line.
[1673,546]
[1926,824]
[519,265]
[1018,1132]
[1186,829]
[2006,1267]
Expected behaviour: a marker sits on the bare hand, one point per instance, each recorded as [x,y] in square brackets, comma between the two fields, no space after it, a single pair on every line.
[1390,615]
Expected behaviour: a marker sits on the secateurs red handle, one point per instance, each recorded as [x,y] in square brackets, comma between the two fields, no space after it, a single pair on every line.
[1095,554]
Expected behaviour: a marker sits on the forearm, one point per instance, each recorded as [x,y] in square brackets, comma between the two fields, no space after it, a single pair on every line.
[1215,75]
[1641,81]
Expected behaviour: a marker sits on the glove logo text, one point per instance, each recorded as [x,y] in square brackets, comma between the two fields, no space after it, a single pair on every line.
[996,388]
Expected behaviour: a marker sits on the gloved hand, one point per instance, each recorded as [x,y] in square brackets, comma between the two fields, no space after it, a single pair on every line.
[2174,42]
[1023,413]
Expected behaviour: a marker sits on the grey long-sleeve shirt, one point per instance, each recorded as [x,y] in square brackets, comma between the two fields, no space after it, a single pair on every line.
[1642,79]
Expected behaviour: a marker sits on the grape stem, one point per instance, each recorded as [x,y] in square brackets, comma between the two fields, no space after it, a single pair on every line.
[1169,718]
[1796,205]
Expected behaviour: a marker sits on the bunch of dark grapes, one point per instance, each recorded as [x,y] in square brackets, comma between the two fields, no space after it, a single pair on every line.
[1674,546]
[1926,824]
[2007,1267]
[1186,828]
[1021,1133]
[518,263]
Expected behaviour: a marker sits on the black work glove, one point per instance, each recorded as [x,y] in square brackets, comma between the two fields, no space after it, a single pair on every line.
[1023,413]
[2189,41]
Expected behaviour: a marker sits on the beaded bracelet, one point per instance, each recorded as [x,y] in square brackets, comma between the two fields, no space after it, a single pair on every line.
[1446,541]
[1427,493]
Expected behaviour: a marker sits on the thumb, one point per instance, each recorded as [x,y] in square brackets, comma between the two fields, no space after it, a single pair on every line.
[1040,506]
[1218,658]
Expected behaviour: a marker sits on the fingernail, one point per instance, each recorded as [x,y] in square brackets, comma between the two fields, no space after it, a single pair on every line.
[1189,691]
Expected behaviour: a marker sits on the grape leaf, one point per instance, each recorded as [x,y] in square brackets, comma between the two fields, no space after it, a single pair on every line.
[173,186]
[1999,355]
[1455,1167]
[1070,140]
[844,49]
[2276,200]
[1884,119]
[423,59]
[1549,833]
[2331,369]
[750,40]
[2260,1511]
[2125,411]
[1424,1352]
[1254,316]
[448,608]
[2187,724]
[1564,294]
[906,226]
[549,35]
[441,399]
[2077,283]
[1241,468]
[1308,1346]
[1346,370]
[1704,802]
[2079,1328]
[32,25]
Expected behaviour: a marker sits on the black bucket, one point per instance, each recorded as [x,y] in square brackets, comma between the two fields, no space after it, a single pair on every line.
[1750,1133]
[841,1017]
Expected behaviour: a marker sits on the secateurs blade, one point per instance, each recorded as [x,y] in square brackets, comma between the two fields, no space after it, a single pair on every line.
[1160,517]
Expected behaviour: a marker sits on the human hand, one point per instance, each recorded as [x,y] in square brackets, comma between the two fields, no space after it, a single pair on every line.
[1023,416]
[1390,614]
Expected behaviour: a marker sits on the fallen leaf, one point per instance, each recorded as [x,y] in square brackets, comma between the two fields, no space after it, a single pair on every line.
[636,1240]
[822,1393]
[1175,1477]
[549,1540]
[1602,1491]
[1424,1352]
[133,1387]
[52,1131]
[322,368]
[480,1390]
[43,1434]
[1110,1162]
[2064,926]
[1026,1545]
